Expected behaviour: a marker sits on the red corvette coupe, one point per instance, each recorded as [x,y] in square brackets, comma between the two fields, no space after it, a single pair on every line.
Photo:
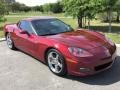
[64,50]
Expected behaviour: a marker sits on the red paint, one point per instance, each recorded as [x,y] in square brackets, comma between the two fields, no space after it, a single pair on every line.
[93,42]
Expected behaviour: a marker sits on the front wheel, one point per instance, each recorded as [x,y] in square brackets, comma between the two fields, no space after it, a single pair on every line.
[56,62]
[10,41]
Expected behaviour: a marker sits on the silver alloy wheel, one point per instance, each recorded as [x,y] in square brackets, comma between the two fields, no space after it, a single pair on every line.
[54,62]
[9,41]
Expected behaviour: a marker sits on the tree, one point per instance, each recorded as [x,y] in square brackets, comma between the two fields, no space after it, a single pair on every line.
[25,8]
[53,7]
[38,8]
[108,6]
[2,10]
[46,7]
[56,7]
[15,7]
[82,8]
[8,2]
[117,9]
[92,7]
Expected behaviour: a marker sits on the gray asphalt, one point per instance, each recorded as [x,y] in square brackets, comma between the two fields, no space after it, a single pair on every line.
[19,71]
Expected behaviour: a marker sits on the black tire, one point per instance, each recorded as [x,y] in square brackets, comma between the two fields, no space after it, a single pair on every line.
[9,39]
[63,71]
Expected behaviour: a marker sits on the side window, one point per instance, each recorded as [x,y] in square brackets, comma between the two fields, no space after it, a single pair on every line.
[25,25]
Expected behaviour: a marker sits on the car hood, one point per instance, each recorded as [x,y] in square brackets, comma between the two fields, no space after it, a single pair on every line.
[80,38]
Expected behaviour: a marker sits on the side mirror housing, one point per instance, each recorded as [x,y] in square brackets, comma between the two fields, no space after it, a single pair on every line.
[24,32]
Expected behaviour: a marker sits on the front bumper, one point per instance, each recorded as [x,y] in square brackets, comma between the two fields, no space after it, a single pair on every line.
[79,68]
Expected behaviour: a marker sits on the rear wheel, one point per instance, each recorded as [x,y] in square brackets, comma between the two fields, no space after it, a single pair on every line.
[10,42]
[56,62]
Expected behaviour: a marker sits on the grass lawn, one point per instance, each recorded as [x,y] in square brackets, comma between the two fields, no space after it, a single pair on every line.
[115,37]
[95,24]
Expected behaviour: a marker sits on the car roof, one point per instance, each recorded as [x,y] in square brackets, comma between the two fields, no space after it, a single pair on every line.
[38,18]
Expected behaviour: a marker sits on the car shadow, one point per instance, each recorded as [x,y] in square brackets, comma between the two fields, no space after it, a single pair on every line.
[107,77]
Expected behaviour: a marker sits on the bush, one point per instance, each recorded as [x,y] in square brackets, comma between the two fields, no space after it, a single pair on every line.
[2,19]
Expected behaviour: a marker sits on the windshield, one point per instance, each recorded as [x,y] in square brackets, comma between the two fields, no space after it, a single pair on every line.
[50,26]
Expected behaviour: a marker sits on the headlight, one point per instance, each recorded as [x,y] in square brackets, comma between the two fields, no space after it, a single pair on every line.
[109,40]
[78,52]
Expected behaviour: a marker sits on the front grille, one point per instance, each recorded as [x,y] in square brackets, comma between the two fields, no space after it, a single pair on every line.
[100,67]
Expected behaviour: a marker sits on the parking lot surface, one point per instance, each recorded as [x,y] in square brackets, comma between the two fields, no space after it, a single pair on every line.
[19,71]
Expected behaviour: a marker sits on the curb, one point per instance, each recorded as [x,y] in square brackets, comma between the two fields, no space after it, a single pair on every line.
[2,39]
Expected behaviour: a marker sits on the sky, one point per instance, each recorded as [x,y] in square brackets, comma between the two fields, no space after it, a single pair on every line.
[35,2]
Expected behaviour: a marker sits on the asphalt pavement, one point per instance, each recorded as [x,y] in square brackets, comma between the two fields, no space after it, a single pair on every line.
[19,71]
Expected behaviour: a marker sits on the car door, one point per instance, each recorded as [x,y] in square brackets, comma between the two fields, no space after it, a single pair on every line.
[26,41]
[17,36]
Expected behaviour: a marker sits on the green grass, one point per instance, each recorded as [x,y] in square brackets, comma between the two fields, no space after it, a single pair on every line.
[115,37]
[96,25]
[103,27]
[70,21]
[1,34]
[1,30]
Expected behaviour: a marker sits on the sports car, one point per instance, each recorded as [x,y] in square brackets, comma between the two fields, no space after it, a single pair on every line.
[65,50]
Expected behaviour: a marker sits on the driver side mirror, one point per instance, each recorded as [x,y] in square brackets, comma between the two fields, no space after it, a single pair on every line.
[24,32]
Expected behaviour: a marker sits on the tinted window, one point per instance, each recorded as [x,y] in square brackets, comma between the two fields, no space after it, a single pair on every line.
[25,25]
[50,26]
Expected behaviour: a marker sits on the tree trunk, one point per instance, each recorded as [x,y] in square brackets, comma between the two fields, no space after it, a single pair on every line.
[80,21]
[85,21]
[109,16]
[88,23]
[118,17]
[83,25]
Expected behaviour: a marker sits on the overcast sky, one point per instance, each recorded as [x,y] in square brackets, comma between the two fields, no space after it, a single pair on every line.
[35,2]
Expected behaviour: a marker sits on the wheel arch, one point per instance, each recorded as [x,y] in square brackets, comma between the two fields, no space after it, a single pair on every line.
[45,53]
[65,63]
[6,34]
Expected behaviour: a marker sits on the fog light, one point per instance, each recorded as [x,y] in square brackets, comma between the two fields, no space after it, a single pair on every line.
[84,69]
